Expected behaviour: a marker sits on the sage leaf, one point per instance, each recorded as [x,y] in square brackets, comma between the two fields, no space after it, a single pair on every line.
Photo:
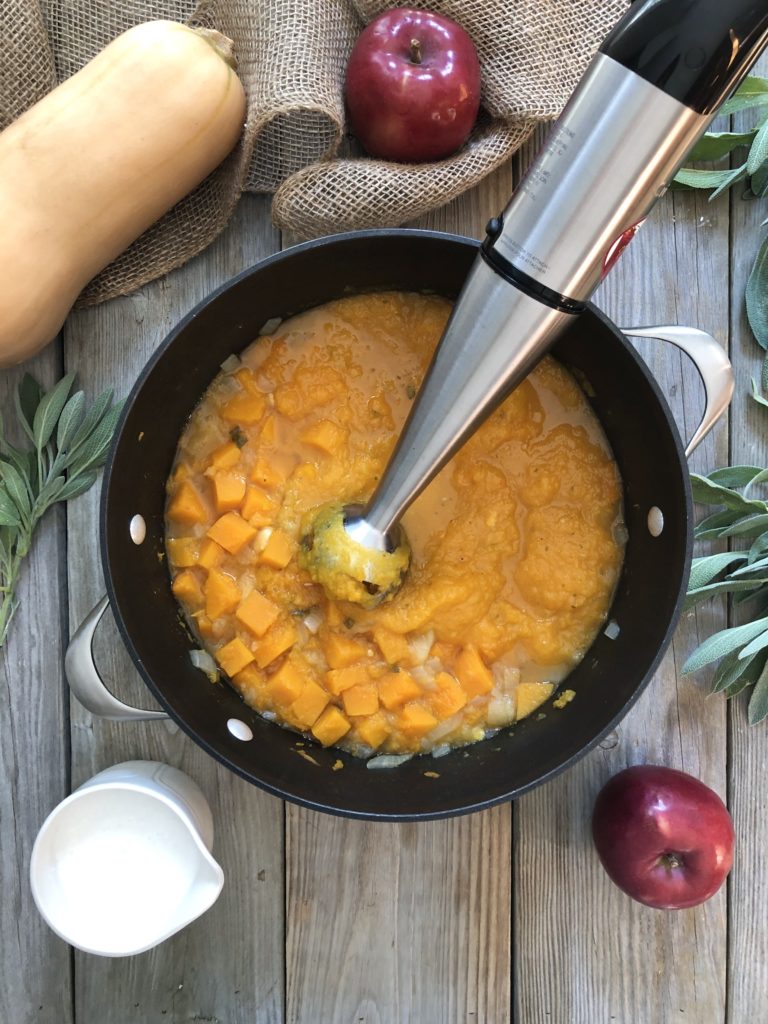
[719,644]
[761,478]
[708,493]
[711,526]
[758,548]
[758,702]
[15,488]
[756,394]
[49,410]
[758,566]
[716,145]
[705,569]
[755,666]
[753,92]
[697,177]
[750,526]
[759,181]
[736,175]
[754,646]
[69,421]
[758,152]
[756,297]
[759,597]
[694,597]
[92,418]
[93,452]
[735,476]
[27,398]
[77,485]
[729,670]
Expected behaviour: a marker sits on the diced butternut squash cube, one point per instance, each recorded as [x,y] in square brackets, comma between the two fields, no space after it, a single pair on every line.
[473,674]
[309,705]
[278,550]
[211,553]
[395,688]
[258,503]
[448,698]
[333,617]
[250,682]
[234,656]
[186,506]
[183,551]
[340,679]
[373,731]
[186,587]
[225,457]
[245,409]
[287,683]
[361,700]
[222,594]
[204,625]
[228,491]
[326,435]
[257,613]
[531,696]
[267,473]
[275,642]
[415,721]
[341,651]
[247,380]
[330,727]
[232,532]
[445,652]
[393,646]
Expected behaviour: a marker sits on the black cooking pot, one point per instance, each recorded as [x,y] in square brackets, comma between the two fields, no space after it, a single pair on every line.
[609,680]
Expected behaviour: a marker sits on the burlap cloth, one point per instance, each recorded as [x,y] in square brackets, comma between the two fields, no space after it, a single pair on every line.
[292,55]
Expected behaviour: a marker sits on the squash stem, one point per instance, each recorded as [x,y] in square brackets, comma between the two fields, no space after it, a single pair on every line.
[222,44]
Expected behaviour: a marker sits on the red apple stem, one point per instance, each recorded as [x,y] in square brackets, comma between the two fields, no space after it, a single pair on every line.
[416,55]
[671,861]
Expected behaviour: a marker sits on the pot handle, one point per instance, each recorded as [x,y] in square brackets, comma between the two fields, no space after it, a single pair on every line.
[713,365]
[86,683]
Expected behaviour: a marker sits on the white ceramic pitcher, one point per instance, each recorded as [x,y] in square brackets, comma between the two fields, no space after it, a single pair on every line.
[125,861]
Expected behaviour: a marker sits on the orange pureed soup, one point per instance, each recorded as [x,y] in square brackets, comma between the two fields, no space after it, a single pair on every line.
[516,546]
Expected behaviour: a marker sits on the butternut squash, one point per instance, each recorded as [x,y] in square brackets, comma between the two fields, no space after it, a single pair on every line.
[99,159]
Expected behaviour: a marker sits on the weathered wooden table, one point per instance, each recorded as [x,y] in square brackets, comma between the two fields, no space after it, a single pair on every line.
[501,916]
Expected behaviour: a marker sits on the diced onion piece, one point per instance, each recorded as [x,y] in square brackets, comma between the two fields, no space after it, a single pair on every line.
[506,677]
[314,620]
[420,646]
[442,750]
[231,363]
[501,711]
[270,326]
[388,760]
[270,716]
[203,660]
[262,537]
[444,728]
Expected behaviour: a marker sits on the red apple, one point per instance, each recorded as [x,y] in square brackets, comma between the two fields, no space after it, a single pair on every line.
[413,86]
[664,837]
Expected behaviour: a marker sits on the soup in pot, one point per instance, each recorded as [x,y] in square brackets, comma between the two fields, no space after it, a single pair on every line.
[516,545]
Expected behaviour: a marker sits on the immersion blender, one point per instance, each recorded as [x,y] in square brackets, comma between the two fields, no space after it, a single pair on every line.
[648,95]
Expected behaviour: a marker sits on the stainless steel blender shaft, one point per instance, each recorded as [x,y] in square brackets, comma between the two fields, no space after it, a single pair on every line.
[612,154]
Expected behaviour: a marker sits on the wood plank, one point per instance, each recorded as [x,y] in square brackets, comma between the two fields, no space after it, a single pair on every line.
[585,951]
[389,923]
[35,967]
[748,933]
[228,965]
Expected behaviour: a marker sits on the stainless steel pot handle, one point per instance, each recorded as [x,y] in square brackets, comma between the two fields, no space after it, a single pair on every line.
[86,683]
[713,365]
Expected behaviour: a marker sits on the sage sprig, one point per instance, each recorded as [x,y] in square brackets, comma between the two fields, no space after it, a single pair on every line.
[751,148]
[67,445]
[741,651]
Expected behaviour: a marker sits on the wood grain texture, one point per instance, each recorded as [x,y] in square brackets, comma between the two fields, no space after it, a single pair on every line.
[35,966]
[748,884]
[228,966]
[388,924]
[584,951]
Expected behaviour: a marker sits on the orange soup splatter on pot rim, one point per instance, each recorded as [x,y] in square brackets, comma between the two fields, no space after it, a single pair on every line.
[516,545]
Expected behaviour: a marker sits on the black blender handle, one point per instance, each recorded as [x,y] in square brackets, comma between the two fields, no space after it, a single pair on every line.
[696,51]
